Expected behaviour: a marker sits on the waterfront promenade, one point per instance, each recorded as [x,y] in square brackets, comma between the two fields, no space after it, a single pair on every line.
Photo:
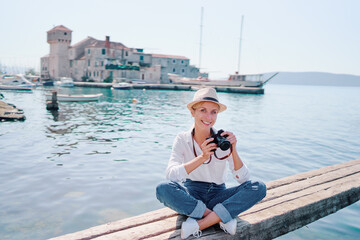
[231,89]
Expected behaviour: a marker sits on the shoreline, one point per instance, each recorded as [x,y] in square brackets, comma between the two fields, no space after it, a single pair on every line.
[246,90]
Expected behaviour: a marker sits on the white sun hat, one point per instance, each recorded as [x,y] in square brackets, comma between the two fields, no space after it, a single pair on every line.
[206,95]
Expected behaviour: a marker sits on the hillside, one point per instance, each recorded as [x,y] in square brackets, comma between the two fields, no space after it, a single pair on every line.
[314,78]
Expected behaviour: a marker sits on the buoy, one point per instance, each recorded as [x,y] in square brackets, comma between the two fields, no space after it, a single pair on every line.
[134,100]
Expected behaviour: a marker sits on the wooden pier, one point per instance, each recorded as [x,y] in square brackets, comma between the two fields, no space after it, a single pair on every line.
[232,89]
[291,203]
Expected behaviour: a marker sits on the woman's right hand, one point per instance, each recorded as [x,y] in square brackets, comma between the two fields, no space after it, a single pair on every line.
[207,148]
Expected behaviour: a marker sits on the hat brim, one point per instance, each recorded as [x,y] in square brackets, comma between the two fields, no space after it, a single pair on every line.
[222,107]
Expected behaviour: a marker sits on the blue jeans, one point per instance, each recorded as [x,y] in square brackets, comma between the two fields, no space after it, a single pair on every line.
[194,197]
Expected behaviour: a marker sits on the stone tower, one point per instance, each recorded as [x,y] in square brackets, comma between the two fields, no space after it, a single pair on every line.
[59,39]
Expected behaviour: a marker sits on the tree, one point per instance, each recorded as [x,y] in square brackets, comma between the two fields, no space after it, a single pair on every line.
[31,71]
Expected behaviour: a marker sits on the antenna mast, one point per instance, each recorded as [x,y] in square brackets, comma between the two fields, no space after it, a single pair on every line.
[201,27]
[241,29]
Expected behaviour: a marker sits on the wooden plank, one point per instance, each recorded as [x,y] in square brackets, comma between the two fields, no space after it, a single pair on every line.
[313,173]
[294,201]
[273,219]
[120,225]
[281,219]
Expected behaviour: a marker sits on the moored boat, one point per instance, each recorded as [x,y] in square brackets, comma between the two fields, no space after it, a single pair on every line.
[75,97]
[14,87]
[47,82]
[15,82]
[122,85]
[65,82]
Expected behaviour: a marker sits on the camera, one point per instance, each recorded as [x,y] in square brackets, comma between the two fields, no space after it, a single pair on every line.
[220,141]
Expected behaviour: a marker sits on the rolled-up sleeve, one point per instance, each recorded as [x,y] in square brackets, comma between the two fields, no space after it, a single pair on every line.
[175,170]
[241,175]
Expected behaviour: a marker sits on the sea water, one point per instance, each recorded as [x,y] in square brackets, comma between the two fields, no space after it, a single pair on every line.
[95,162]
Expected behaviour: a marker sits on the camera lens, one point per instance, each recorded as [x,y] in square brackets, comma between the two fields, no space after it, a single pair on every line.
[224,145]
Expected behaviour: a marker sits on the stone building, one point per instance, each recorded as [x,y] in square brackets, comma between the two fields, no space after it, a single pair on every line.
[56,64]
[103,60]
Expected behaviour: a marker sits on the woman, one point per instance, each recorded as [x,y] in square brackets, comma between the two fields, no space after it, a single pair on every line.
[196,177]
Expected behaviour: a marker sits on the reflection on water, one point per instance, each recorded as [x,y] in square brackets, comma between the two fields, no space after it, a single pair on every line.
[90,163]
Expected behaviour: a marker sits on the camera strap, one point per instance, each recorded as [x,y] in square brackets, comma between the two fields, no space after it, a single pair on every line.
[192,137]
[222,158]
[212,132]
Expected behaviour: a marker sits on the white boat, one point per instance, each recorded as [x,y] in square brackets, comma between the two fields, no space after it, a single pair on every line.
[248,80]
[234,80]
[16,81]
[65,82]
[14,87]
[74,97]
[122,85]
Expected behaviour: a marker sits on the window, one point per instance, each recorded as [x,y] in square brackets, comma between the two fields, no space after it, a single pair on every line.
[88,51]
[174,61]
[65,33]
[71,63]
[141,58]
[126,53]
[183,70]
[102,63]
[103,51]
[174,70]
[182,61]
[89,63]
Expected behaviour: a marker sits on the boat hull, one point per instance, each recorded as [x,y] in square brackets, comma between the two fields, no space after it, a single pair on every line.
[75,98]
[14,87]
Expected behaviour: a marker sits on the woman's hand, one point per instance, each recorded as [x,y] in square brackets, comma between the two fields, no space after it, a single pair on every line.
[207,148]
[231,138]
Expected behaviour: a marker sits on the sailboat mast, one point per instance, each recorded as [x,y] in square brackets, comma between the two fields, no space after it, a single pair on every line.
[201,27]
[241,29]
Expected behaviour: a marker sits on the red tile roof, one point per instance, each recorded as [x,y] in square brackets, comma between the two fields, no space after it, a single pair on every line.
[168,56]
[61,28]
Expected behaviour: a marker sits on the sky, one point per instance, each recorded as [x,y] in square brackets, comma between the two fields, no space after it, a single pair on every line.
[277,35]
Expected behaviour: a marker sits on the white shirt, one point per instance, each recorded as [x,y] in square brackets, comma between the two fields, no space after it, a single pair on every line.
[214,172]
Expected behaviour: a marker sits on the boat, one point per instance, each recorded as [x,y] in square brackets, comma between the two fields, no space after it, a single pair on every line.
[17,82]
[14,87]
[9,112]
[74,97]
[247,80]
[122,86]
[65,82]
[234,80]
[47,82]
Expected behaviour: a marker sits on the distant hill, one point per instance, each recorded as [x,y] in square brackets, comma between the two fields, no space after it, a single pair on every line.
[314,78]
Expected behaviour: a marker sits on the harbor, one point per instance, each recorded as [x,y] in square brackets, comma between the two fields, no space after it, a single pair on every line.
[94,163]
[94,94]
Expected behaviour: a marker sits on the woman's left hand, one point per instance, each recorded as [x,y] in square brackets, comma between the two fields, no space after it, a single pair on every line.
[231,138]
